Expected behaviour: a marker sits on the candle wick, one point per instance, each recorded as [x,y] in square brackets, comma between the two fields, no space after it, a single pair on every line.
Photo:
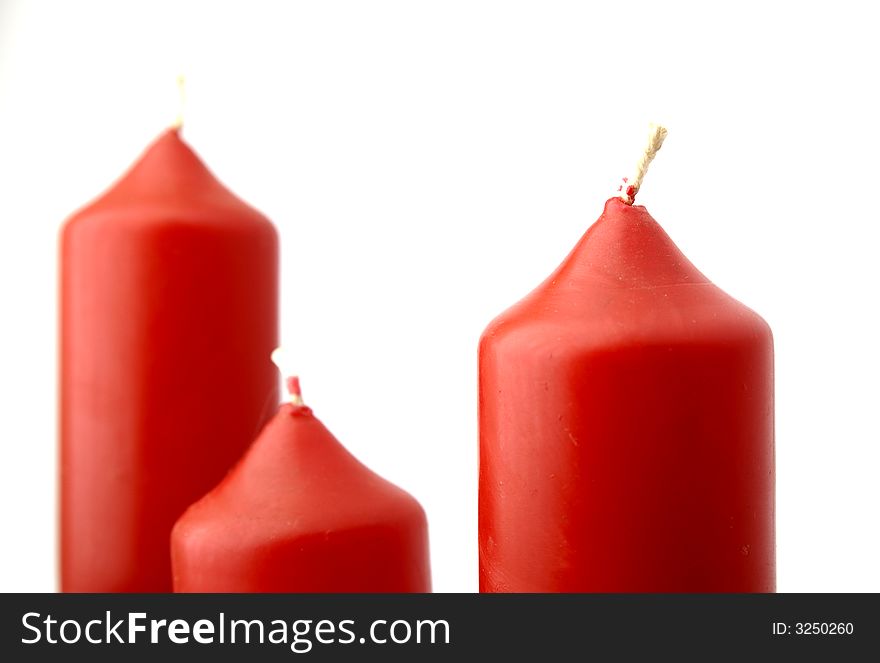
[631,185]
[181,102]
[280,359]
[294,390]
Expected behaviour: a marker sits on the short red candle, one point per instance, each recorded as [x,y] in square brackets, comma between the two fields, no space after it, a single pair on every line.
[300,514]
[626,427]
[168,317]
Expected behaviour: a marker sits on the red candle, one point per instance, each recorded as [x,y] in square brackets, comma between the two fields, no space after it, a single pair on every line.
[626,425]
[168,317]
[299,513]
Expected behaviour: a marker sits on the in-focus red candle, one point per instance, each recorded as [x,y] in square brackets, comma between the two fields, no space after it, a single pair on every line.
[168,318]
[626,427]
[299,513]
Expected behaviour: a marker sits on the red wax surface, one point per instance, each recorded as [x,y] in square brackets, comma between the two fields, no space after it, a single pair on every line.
[168,319]
[626,427]
[300,514]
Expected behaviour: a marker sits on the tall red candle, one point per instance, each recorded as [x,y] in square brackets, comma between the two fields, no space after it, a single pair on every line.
[626,426]
[168,317]
[300,514]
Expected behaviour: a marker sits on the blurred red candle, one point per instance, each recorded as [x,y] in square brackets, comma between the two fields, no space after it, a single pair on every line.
[300,514]
[626,426]
[168,317]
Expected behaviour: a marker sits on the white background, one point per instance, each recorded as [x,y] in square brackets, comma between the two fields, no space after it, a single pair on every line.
[428,163]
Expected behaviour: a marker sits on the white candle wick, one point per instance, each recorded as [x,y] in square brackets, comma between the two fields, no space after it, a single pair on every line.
[281,360]
[181,102]
[631,185]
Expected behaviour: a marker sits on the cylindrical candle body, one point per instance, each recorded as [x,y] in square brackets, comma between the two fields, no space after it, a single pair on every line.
[300,514]
[168,319]
[626,427]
